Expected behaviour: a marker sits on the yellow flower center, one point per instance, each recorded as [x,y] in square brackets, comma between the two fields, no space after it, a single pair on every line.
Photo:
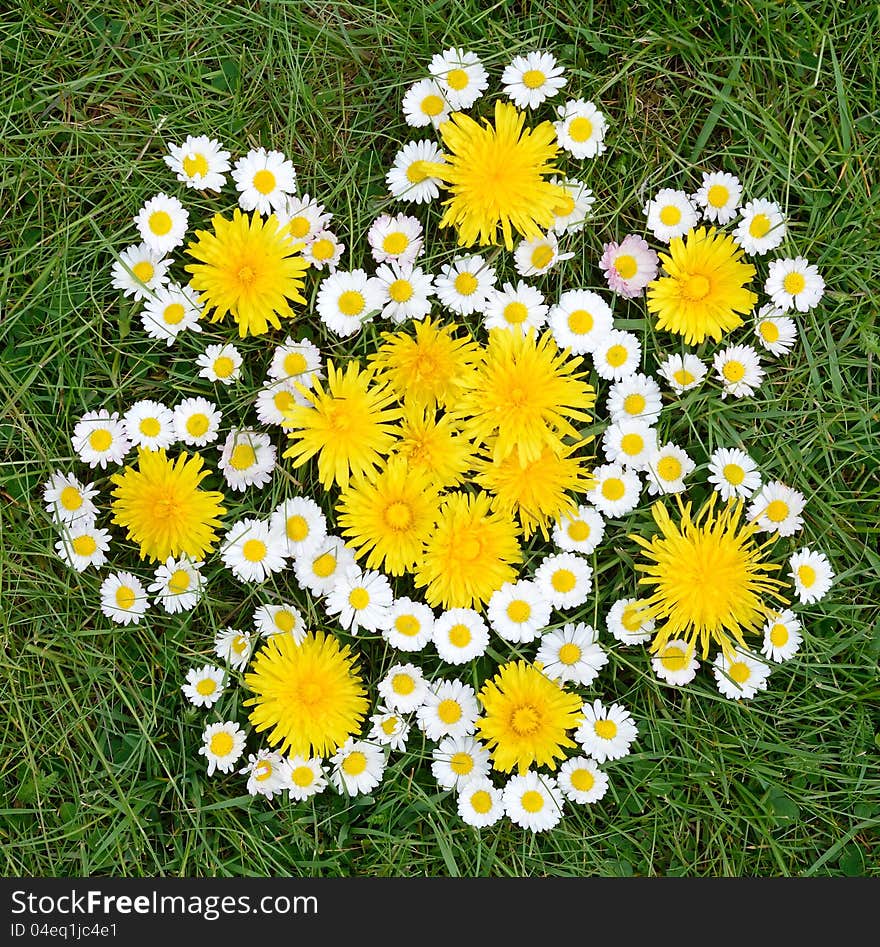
[794,283]
[403,684]
[457,79]
[283,400]
[243,457]
[398,515]
[323,249]
[533,79]
[673,658]
[355,763]
[532,801]
[580,321]
[400,290]
[461,763]
[579,531]
[143,270]
[389,725]
[734,371]
[206,686]
[223,366]
[807,575]
[465,283]
[297,528]
[580,129]
[295,363]
[769,331]
[759,226]
[246,275]
[324,566]
[150,427]
[239,644]
[718,195]
[777,511]
[351,303]
[634,404]
[284,620]
[432,105]
[417,172]
[71,499]
[196,164]
[197,424]
[541,256]
[569,653]
[159,222]
[359,598]
[395,243]
[449,711]
[264,181]
[616,356]
[583,780]
[519,611]
[683,377]
[605,729]
[563,580]
[778,635]
[733,474]
[299,227]
[740,672]
[302,776]
[669,468]
[697,287]
[84,545]
[125,597]
[100,440]
[631,618]
[670,215]
[460,636]
[632,444]
[515,313]
[173,313]
[613,488]
[221,743]
[263,771]
[525,720]
[481,801]
[179,581]
[626,266]
[254,550]
[407,625]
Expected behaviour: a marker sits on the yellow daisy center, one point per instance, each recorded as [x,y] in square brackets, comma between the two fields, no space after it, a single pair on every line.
[515,313]
[740,672]
[669,468]
[460,636]
[324,565]
[402,684]
[670,215]
[759,226]
[734,371]
[295,363]
[359,598]
[195,165]
[389,726]
[579,531]
[283,400]
[519,611]
[626,266]
[264,181]
[239,644]
[197,424]
[733,474]
[299,227]
[457,79]
[297,528]
[221,743]
[563,580]
[541,256]
[769,331]
[351,303]
[461,763]
[466,284]
[794,283]
[432,105]
[84,545]
[532,801]
[100,440]
[159,222]
[632,444]
[683,377]
[407,625]
[223,366]
[718,195]
[481,801]
[449,711]
[634,404]
[173,314]
[143,270]
[777,511]
[323,249]
[178,583]
[150,427]
[284,620]
[580,129]
[355,763]
[533,79]
[806,575]
[400,290]
[673,658]
[243,457]
[778,635]
[580,321]
[125,597]
[206,686]
[613,488]
[71,498]
[605,729]
[263,771]
[302,776]
[582,780]
[395,243]
[565,206]
[630,618]
[417,172]
[616,355]
[254,550]
[569,653]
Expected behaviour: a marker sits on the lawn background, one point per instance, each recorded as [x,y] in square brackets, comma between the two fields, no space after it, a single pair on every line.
[99,767]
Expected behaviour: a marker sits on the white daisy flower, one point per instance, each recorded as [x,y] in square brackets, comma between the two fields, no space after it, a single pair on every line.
[532,78]
[263,179]
[636,396]
[303,777]
[460,75]
[565,579]
[150,425]
[581,128]
[247,459]
[581,780]
[675,663]
[670,214]
[170,310]
[346,300]
[199,163]
[459,759]
[581,531]
[424,104]
[607,732]
[572,654]
[360,600]
[301,523]
[357,767]
[778,508]
[812,574]
[533,801]
[296,362]
[667,468]
[251,551]
[519,307]
[449,709]
[718,196]
[220,363]
[318,566]
[776,332]
[204,686]
[740,676]
[222,745]
[630,442]
[408,178]
[518,611]
[761,227]
[162,223]
[615,491]
[629,266]
[265,771]
[782,636]
[178,584]
[99,438]
[83,545]
[324,251]
[682,372]
[403,688]
[68,500]
[123,598]
[738,368]
[274,400]
[303,217]
[579,320]
[282,619]
[407,291]
[234,647]
[460,635]
[197,422]
[480,803]
[139,271]
[464,285]
[628,622]
[536,257]
[794,283]
[617,354]
[733,473]
[397,239]
[389,729]
[574,208]
[409,625]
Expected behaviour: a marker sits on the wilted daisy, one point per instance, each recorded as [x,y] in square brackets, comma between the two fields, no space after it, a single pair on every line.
[460,76]
[234,646]
[615,491]
[580,531]
[123,598]
[565,579]
[280,620]
[150,424]
[579,320]
[480,803]
[738,368]
[296,361]
[636,396]
[318,566]
[581,128]
[532,78]
[397,239]
[460,635]
[408,179]
[425,104]
[778,508]
[409,625]
[782,636]
[533,801]
[99,438]
[617,354]
[360,600]
[812,574]
[630,441]
[629,265]
[776,332]
[464,284]
[536,256]
[581,780]
[162,222]
[199,163]
[519,307]
[324,251]
[667,468]
[449,709]
[304,777]
[571,654]
[252,551]
[346,300]
[607,732]
[733,473]
[68,500]
[170,310]
[761,227]
[220,363]
[403,688]
[303,217]
[675,663]
[741,675]
[682,372]
[178,584]
[629,621]
[222,745]
[458,759]
[518,611]
[389,729]
[82,545]
[407,291]
[301,523]
[247,459]
[266,773]
[575,205]
[263,179]
[718,196]
[274,400]
[794,284]
[204,685]
[670,214]
[139,271]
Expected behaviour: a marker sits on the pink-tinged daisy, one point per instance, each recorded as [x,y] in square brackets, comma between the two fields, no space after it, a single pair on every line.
[629,265]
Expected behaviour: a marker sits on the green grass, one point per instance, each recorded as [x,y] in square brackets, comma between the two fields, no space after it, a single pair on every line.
[99,763]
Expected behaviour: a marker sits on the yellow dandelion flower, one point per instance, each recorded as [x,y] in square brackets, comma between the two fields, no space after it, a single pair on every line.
[434,445]
[432,368]
[310,694]
[349,424]
[527,718]
[163,508]
[711,580]
[389,517]
[497,177]
[471,553]
[704,289]
[250,268]
[527,391]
